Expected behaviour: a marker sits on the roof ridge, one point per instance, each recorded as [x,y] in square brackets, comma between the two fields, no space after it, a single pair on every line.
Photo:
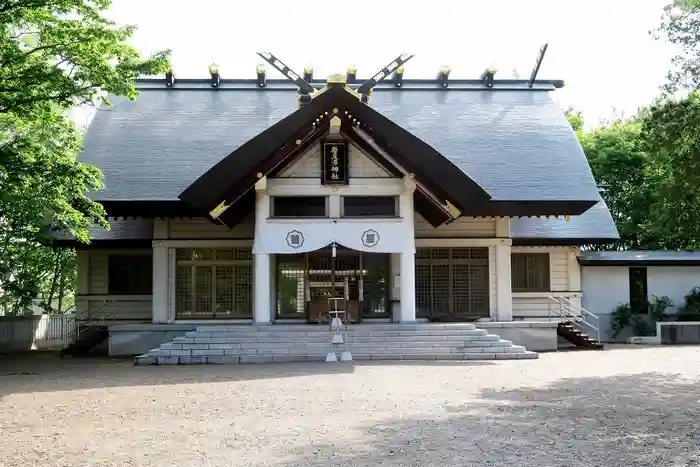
[406,85]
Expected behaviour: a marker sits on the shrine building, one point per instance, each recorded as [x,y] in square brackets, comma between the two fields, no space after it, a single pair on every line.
[433,211]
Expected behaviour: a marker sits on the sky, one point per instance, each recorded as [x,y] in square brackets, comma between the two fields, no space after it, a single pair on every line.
[601,48]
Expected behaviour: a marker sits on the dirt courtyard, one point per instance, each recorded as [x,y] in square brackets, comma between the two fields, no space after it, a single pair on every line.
[627,406]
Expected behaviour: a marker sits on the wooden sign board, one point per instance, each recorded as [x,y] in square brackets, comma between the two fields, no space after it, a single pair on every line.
[335,163]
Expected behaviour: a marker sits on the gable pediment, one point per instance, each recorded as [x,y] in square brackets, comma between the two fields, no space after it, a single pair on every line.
[309,165]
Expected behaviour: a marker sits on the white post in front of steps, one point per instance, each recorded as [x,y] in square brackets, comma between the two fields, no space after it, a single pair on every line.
[407,277]
[261,261]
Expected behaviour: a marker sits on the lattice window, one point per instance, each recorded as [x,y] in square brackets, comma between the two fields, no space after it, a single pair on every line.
[203,289]
[183,291]
[243,291]
[225,290]
[214,283]
[530,272]
[452,282]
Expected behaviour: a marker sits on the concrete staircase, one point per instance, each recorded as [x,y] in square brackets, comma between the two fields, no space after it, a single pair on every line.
[301,342]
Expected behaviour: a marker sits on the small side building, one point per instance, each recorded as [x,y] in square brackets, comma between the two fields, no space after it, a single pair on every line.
[611,278]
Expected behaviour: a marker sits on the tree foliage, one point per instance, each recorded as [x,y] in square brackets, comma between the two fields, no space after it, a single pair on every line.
[621,165]
[575,118]
[680,26]
[670,133]
[64,52]
[649,167]
[54,55]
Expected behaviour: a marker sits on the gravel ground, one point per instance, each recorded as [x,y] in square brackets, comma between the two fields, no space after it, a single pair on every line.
[627,406]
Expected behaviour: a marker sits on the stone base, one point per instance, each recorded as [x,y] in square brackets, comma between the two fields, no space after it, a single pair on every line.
[136,339]
[535,335]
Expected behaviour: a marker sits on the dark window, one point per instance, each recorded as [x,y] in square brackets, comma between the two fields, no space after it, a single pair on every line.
[299,206]
[638,290]
[530,272]
[369,206]
[130,274]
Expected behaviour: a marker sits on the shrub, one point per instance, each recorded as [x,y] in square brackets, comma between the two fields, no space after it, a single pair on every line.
[692,304]
[622,317]
[658,306]
[643,325]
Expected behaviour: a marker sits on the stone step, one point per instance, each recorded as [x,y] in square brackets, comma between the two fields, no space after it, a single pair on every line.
[324,338]
[298,335]
[304,345]
[188,360]
[488,343]
[248,344]
[323,351]
[320,328]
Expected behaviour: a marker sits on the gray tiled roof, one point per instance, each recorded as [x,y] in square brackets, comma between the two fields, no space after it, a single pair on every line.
[154,147]
[516,144]
[594,224]
[120,229]
[637,257]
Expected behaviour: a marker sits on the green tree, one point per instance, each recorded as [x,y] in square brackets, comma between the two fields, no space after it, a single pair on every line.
[670,132]
[54,55]
[620,164]
[575,118]
[680,26]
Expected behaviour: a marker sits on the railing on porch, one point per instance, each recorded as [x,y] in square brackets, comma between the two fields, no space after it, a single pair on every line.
[87,319]
[564,310]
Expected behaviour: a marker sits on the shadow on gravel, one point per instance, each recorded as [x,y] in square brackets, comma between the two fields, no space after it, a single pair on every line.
[46,372]
[639,420]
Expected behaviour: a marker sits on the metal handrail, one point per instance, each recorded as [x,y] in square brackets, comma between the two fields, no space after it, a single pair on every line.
[576,314]
[84,319]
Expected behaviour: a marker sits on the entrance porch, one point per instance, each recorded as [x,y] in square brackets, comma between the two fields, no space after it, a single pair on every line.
[309,285]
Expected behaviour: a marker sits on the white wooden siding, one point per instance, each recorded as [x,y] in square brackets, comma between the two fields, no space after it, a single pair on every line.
[201,228]
[309,165]
[98,285]
[464,227]
[98,273]
[121,310]
[563,282]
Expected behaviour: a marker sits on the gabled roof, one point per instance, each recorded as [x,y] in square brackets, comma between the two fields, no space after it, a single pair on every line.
[512,141]
[515,143]
[234,175]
